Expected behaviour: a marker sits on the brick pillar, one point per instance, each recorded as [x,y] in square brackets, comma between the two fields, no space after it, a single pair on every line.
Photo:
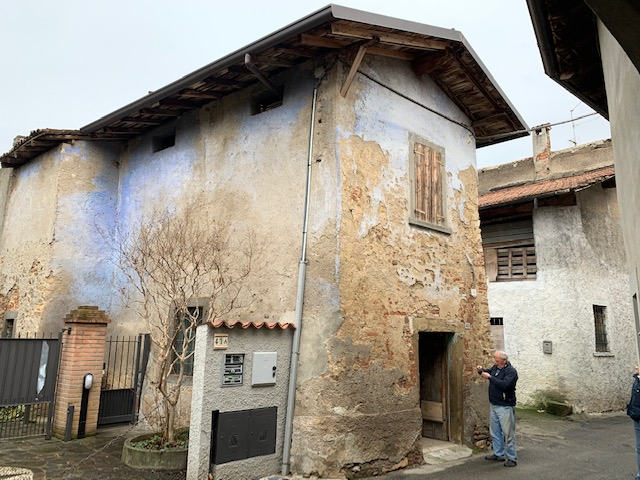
[82,352]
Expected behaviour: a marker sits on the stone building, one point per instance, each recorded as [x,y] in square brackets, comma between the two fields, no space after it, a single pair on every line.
[558,283]
[368,123]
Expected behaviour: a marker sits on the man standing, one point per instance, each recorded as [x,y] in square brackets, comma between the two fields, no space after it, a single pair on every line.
[502,397]
[633,410]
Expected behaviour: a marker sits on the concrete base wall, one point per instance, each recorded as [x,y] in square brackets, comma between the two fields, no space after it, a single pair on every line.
[209,395]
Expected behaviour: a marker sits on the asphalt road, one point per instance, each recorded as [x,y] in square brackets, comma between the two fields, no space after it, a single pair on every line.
[550,448]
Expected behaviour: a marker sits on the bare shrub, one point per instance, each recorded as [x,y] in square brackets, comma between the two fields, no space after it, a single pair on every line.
[169,260]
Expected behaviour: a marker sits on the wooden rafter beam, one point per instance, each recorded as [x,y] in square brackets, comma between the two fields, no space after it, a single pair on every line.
[190,92]
[324,42]
[430,62]
[362,50]
[478,85]
[160,112]
[173,103]
[297,51]
[37,143]
[250,64]
[273,61]
[118,131]
[225,82]
[141,121]
[387,37]
[240,70]
[490,118]
[454,98]
[388,52]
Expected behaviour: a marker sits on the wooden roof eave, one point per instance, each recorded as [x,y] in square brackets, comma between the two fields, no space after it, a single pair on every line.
[342,27]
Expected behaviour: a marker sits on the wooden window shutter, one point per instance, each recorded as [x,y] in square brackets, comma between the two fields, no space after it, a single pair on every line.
[437,207]
[428,167]
[420,208]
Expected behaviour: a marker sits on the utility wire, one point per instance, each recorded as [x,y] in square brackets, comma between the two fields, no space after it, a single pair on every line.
[467,127]
[400,94]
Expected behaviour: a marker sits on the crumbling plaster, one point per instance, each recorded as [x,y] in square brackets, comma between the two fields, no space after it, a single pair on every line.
[365,405]
[51,258]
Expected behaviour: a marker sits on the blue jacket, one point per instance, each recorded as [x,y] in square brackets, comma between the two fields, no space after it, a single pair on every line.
[633,408]
[502,385]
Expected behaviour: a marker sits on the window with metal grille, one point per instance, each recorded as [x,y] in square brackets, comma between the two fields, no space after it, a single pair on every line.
[600,321]
[517,263]
[190,320]
[7,331]
[497,332]
[9,324]
[428,188]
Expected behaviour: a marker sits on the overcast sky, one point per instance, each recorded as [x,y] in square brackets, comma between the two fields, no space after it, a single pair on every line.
[66,63]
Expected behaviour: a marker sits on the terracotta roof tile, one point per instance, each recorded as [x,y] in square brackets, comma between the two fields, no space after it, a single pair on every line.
[545,187]
[256,325]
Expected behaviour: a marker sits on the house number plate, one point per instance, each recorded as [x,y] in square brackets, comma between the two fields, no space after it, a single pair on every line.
[220,341]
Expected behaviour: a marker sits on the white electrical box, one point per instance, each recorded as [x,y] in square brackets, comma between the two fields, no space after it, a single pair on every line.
[264,368]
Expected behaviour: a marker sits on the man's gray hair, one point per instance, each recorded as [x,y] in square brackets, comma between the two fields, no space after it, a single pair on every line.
[502,355]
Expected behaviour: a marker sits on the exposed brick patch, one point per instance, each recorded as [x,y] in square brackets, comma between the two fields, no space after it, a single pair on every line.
[481,438]
[384,465]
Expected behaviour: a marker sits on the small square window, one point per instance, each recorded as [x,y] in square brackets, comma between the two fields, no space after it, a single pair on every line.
[8,327]
[164,141]
[265,101]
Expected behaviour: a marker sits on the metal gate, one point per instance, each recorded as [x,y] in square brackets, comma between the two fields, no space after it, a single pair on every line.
[28,374]
[124,367]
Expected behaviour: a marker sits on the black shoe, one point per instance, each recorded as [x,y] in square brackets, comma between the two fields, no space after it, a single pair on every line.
[510,463]
[494,458]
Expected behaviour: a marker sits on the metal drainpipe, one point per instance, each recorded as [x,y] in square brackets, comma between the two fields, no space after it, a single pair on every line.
[302,269]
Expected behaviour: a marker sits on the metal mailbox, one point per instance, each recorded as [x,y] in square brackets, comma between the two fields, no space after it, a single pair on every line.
[243,434]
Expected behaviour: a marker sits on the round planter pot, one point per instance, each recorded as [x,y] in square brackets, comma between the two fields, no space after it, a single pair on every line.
[143,458]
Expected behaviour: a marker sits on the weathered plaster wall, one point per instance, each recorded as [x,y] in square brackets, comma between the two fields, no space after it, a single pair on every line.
[358,398]
[210,395]
[82,259]
[52,258]
[581,263]
[622,82]
[246,170]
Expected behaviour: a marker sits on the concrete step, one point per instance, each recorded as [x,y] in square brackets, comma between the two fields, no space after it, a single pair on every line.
[437,452]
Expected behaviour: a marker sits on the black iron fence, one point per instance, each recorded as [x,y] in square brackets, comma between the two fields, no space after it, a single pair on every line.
[123,375]
[28,375]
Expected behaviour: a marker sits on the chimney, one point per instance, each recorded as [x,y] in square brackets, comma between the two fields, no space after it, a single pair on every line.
[541,150]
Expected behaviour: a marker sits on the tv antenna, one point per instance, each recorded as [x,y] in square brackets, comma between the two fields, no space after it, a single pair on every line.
[573,125]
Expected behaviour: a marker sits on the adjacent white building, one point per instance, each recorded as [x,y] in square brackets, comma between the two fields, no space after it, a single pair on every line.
[558,283]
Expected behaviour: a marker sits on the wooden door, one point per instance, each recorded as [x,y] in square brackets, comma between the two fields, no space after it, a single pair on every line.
[434,384]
